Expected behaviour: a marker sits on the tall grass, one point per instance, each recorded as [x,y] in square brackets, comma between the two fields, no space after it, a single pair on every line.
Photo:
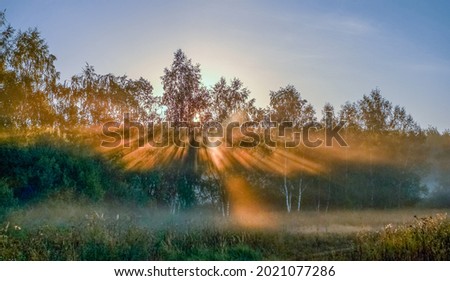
[106,236]
[427,238]
[97,237]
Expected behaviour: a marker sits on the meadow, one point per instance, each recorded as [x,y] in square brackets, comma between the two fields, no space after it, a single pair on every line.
[56,231]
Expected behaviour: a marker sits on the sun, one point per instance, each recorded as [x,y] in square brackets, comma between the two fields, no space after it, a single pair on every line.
[196,118]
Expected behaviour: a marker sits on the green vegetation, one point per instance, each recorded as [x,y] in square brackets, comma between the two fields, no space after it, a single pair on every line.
[49,169]
[426,239]
[50,154]
[47,166]
[96,236]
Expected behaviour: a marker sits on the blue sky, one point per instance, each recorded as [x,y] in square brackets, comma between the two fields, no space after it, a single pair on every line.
[332,51]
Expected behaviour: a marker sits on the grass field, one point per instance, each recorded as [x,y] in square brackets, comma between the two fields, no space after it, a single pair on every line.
[61,232]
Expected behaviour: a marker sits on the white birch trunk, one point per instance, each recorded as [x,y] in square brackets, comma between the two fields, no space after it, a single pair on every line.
[287,194]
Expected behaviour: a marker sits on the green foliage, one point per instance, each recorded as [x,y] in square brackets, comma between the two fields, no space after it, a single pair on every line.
[426,239]
[27,77]
[98,238]
[7,200]
[105,239]
[229,100]
[48,167]
[287,105]
[32,99]
[439,151]
[93,98]
[390,159]
[184,95]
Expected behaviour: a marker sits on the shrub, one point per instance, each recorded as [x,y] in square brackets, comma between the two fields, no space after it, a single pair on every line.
[7,199]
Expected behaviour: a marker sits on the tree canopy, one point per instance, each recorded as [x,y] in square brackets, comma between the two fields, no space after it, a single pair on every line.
[391,161]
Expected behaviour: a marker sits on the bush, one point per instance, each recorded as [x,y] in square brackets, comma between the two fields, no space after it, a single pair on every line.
[7,199]
[48,167]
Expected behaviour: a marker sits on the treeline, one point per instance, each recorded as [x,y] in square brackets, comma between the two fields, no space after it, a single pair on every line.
[390,161]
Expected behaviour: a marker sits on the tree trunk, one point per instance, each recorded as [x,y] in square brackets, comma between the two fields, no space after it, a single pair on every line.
[318,200]
[329,192]
[301,189]
[371,182]
[287,194]
[223,208]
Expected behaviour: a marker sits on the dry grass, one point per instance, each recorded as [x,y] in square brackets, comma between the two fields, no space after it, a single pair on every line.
[94,232]
[350,221]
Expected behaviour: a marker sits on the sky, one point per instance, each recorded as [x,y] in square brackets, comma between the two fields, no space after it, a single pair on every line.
[331,51]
